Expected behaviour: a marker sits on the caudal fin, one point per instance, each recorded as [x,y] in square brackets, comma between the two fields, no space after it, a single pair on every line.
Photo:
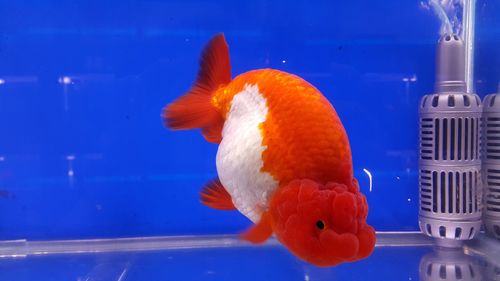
[194,109]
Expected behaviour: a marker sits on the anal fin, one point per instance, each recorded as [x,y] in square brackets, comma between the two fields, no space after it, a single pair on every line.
[214,195]
[261,231]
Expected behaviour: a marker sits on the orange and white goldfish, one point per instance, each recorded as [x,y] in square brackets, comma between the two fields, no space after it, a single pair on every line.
[283,160]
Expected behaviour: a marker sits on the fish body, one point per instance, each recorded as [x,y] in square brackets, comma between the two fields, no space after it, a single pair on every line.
[283,161]
[278,128]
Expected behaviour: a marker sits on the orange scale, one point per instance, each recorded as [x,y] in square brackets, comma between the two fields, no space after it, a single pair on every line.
[303,135]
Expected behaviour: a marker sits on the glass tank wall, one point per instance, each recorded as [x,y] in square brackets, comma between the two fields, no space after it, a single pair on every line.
[84,153]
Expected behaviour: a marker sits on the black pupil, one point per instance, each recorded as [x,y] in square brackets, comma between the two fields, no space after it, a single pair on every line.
[320,225]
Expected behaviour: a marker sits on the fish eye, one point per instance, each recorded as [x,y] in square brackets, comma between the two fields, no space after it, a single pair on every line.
[320,225]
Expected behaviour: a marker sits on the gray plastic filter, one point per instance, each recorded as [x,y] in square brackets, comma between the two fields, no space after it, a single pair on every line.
[491,164]
[450,161]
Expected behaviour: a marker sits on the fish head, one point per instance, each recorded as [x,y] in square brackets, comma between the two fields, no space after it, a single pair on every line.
[322,224]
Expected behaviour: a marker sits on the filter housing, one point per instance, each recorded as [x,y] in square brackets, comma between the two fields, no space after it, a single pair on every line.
[491,164]
[450,161]
[450,166]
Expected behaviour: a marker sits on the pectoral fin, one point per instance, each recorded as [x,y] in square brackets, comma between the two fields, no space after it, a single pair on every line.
[214,195]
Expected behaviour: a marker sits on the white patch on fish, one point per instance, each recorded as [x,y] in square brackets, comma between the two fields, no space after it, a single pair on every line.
[239,158]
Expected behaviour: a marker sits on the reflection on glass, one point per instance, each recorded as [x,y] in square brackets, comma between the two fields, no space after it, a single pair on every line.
[112,268]
[370,177]
[449,264]
[491,271]
[65,80]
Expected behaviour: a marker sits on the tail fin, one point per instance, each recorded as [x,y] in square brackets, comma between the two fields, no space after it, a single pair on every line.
[194,110]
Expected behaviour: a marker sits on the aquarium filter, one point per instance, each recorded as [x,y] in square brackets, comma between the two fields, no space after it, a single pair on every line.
[491,164]
[450,162]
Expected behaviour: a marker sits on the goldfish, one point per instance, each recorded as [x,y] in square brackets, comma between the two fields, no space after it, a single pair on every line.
[283,160]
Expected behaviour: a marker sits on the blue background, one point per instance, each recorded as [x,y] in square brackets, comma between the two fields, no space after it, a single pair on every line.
[124,60]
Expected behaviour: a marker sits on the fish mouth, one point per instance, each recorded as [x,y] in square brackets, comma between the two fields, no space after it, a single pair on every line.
[343,247]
